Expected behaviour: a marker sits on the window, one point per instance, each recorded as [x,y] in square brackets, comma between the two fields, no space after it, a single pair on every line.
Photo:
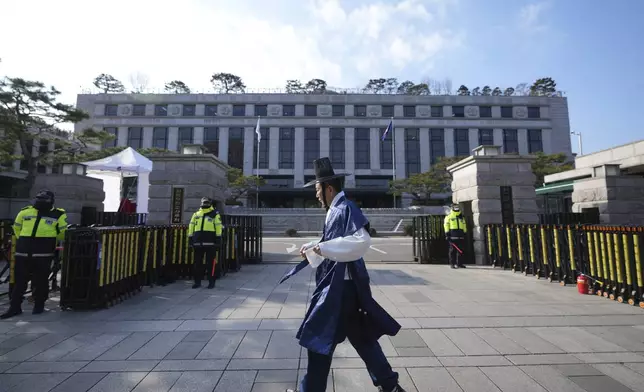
[337,110]
[535,142]
[387,110]
[160,137]
[362,148]
[458,111]
[287,148]
[138,110]
[437,111]
[486,137]
[461,142]
[506,111]
[111,110]
[30,148]
[185,137]
[160,110]
[412,152]
[239,110]
[360,111]
[135,137]
[114,142]
[311,110]
[279,182]
[436,144]
[210,110]
[263,148]
[386,157]
[485,111]
[534,112]
[336,147]
[189,110]
[261,110]
[510,141]
[311,146]
[409,111]
[211,140]
[43,149]
[236,147]
[288,110]
[373,182]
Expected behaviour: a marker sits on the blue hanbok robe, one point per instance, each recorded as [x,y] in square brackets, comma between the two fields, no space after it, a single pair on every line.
[319,332]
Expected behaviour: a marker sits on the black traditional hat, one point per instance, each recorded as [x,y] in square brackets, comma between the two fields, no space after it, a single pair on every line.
[323,172]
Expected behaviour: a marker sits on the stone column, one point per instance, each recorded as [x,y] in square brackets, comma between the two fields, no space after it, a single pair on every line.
[349,156]
[298,168]
[324,142]
[250,147]
[223,144]
[374,146]
[478,179]
[274,148]
[425,154]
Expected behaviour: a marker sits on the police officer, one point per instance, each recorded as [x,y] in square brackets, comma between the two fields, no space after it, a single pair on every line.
[204,233]
[37,229]
[455,229]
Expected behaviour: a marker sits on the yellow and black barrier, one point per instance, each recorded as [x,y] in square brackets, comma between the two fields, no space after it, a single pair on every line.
[428,239]
[610,257]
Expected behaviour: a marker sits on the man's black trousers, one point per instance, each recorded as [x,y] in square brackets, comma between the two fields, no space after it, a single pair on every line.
[209,266]
[37,270]
[455,257]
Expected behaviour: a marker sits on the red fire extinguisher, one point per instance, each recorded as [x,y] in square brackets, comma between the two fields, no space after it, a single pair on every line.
[582,284]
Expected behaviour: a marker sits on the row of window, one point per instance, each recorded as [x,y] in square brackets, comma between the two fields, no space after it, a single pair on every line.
[362,152]
[189,110]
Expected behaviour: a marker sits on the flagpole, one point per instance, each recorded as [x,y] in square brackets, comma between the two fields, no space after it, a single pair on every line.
[257,162]
[393,154]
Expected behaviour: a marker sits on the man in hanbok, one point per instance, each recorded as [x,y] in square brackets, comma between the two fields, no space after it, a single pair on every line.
[342,306]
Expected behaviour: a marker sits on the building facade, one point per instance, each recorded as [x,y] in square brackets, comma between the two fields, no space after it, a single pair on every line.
[298,128]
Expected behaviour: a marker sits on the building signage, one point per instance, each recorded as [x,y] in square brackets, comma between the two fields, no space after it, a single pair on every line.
[176,204]
[507,205]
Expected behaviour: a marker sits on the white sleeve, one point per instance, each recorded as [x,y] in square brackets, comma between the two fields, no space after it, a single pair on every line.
[346,249]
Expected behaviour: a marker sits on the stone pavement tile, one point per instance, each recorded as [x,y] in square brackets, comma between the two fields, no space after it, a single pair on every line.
[530,341]
[580,369]
[268,312]
[415,352]
[237,381]
[387,347]
[280,324]
[499,342]
[345,350]
[159,346]
[119,366]
[118,382]
[244,313]
[407,338]
[79,382]
[43,382]
[469,342]
[351,380]
[623,375]
[292,312]
[273,376]
[96,348]
[434,380]
[415,297]
[575,340]
[253,345]
[222,346]
[472,379]
[551,379]
[411,311]
[432,311]
[47,367]
[408,323]
[543,359]
[203,312]
[65,347]
[512,379]
[276,299]
[14,341]
[272,386]
[404,379]
[599,384]
[196,382]
[199,336]
[263,364]
[218,325]
[157,382]
[186,350]
[4,366]
[637,367]
[412,362]
[283,345]
[439,343]
[9,381]
[610,357]
[191,365]
[625,336]
[127,346]
[475,360]
[34,347]
[220,312]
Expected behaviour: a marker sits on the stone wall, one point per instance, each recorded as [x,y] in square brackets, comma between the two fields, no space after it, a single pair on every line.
[200,175]
[9,207]
[73,192]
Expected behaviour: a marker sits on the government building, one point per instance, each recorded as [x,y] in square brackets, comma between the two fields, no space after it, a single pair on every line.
[298,128]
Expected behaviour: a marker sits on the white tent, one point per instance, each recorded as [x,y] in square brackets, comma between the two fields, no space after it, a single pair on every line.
[111,170]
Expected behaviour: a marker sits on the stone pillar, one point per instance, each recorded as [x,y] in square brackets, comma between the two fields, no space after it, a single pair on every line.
[298,168]
[200,175]
[479,179]
[374,147]
[619,198]
[274,148]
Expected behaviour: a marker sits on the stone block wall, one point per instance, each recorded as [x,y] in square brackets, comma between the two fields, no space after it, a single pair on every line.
[620,199]
[200,175]
[73,192]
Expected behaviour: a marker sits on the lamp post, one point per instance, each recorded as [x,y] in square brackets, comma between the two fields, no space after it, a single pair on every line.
[578,134]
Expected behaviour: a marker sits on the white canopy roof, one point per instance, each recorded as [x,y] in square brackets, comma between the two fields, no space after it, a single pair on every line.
[127,160]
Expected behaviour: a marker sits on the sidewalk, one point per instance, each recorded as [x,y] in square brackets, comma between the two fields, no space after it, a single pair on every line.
[467,330]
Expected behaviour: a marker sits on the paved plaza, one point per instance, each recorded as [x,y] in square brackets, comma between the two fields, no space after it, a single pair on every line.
[473,330]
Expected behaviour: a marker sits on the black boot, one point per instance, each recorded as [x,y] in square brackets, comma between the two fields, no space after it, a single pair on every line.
[196,285]
[10,313]
[38,309]
[397,388]
[211,284]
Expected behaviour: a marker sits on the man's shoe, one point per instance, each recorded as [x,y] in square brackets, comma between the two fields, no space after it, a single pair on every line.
[291,390]
[10,313]
[196,285]
[211,284]
[461,266]
[397,388]
[38,309]
[453,266]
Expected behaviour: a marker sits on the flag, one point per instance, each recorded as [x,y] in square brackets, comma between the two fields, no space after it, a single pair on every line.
[259,134]
[389,128]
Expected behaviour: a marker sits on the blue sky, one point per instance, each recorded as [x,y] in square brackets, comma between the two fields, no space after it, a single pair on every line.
[592,49]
